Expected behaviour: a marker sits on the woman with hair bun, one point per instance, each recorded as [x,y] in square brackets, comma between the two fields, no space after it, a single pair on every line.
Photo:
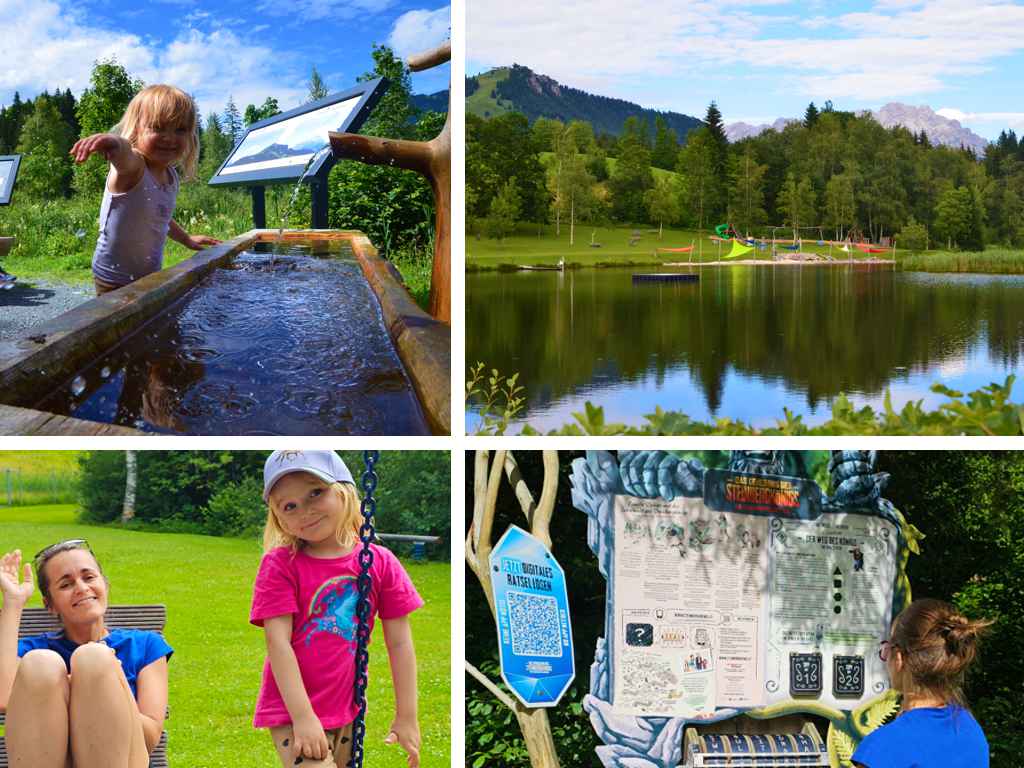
[930,646]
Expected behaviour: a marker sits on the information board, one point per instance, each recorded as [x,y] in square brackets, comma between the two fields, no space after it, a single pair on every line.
[716,608]
[8,173]
[280,148]
[532,612]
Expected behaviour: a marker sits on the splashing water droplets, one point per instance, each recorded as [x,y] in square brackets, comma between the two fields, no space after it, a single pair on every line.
[105,373]
[77,386]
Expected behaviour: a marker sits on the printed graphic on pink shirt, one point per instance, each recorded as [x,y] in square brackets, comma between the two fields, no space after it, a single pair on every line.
[332,609]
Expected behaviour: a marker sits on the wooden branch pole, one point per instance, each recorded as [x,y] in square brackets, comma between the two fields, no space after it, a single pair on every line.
[533,721]
[430,158]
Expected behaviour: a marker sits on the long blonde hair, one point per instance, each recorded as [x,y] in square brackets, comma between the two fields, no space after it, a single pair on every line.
[347,532]
[160,106]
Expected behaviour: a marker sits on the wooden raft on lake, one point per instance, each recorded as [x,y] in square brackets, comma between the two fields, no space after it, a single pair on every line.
[665,277]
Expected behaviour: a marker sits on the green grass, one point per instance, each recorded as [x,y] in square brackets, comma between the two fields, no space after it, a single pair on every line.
[481,102]
[206,583]
[993,260]
[538,244]
[31,477]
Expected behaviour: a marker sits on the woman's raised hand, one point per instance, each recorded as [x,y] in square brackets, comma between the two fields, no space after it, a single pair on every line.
[16,591]
[106,144]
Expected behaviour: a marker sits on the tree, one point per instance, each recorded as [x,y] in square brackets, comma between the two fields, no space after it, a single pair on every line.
[254,114]
[100,108]
[810,116]
[317,87]
[231,121]
[697,167]
[394,115]
[662,202]
[797,201]
[131,480]
[632,175]
[913,236]
[716,129]
[45,140]
[840,203]
[544,131]
[746,196]
[215,147]
[958,219]
[504,211]
[666,146]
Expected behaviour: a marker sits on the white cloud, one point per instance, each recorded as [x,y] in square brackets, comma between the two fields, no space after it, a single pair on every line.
[419,30]
[982,120]
[55,47]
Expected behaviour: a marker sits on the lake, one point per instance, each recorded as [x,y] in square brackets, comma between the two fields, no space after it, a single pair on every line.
[743,342]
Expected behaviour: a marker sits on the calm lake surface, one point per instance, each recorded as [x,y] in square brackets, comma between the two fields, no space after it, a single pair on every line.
[743,342]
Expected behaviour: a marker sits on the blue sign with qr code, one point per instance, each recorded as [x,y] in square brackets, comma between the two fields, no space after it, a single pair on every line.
[532,608]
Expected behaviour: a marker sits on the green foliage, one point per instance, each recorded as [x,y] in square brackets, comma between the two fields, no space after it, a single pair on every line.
[501,218]
[988,411]
[497,150]
[317,87]
[268,108]
[221,492]
[236,509]
[214,148]
[45,171]
[499,399]
[632,177]
[958,219]
[231,121]
[101,107]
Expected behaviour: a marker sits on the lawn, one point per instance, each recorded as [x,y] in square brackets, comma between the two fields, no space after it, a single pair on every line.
[32,477]
[206,583]
[538,244]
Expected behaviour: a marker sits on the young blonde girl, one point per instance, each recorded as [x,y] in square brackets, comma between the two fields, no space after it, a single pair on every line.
[157,133]
[305,598]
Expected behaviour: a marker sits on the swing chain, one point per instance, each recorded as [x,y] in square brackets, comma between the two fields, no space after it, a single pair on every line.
[368,508]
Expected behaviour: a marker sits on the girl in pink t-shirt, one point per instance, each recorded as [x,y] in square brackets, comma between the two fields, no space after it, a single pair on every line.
[305,599]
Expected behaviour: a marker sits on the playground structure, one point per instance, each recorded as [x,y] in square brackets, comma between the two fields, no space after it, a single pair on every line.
[54,354]
[791,249]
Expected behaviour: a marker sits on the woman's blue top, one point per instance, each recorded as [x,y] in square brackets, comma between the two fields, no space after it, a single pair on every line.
[927,737]
[135,649]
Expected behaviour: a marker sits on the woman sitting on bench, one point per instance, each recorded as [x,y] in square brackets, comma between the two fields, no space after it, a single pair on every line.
[84,697]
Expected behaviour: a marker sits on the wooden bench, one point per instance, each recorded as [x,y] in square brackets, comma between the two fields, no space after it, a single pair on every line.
[36,621]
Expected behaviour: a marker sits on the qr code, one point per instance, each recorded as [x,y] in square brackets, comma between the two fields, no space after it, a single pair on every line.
[534,623]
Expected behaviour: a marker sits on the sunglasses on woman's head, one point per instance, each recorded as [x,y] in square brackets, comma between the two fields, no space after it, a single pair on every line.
[46,553]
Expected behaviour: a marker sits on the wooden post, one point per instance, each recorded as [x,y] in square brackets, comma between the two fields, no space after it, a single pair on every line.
[430,158]
[259,208]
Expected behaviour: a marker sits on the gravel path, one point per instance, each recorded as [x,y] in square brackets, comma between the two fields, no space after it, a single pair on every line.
[32,303]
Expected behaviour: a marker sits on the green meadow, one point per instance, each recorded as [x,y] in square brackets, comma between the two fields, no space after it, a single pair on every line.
[206,584]
[537,244]
[32,477]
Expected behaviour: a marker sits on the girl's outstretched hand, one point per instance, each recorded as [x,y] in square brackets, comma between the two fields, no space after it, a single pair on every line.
[15,591]
[199,242]
[406,733]
[106,144]
[310,739]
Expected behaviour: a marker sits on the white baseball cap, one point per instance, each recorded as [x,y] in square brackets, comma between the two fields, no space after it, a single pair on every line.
[326,465]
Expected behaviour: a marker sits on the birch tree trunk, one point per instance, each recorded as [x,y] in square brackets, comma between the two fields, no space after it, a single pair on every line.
[131,476]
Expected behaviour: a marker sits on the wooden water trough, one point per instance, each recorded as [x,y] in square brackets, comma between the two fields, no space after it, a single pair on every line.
[37,364]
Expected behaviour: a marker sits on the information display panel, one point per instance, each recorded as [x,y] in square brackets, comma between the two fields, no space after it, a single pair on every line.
[8,173]
[280,148]
[716,608]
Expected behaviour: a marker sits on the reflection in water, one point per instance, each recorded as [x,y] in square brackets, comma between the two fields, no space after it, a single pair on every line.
[273,344]
[743,342]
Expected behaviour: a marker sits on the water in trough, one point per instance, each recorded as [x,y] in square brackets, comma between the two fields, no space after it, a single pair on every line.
[288,342]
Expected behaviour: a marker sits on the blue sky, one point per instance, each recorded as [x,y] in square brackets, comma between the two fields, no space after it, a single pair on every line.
[247,49]
[763,59]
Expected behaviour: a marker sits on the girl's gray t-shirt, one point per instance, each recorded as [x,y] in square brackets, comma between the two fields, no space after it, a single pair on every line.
[133,229]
